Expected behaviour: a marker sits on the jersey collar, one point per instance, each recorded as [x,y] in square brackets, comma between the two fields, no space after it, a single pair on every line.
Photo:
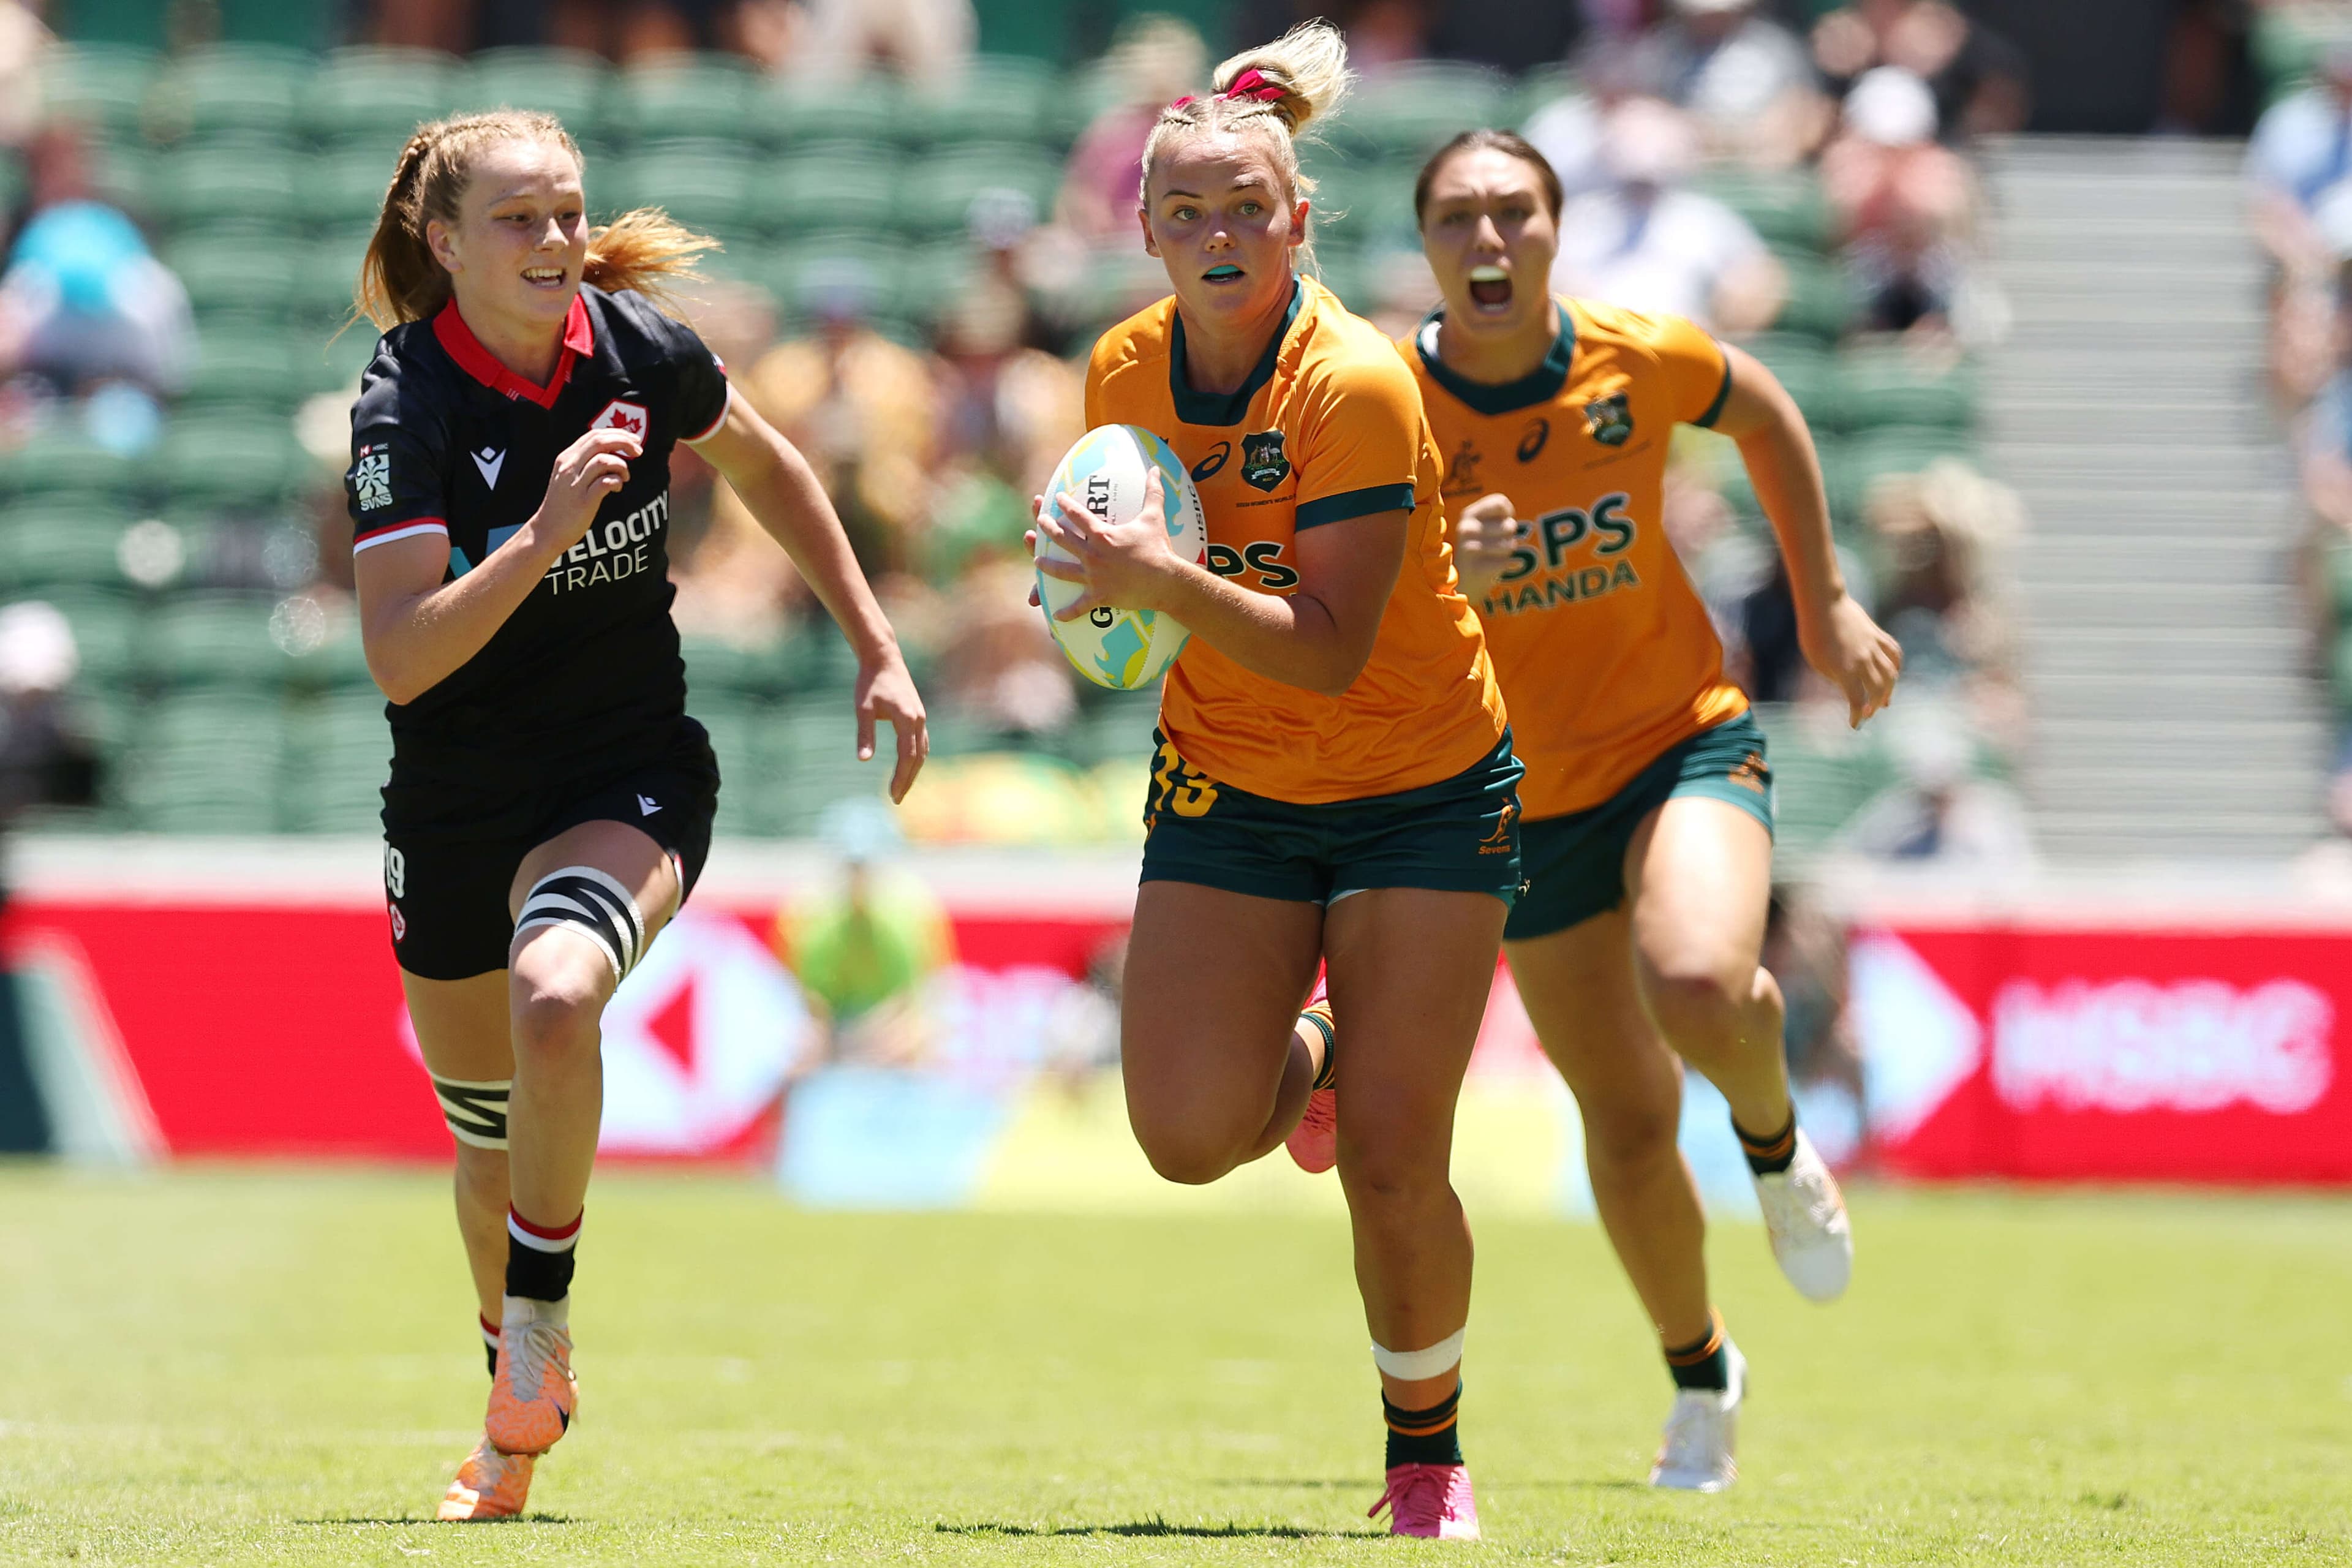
[1220,407]
[579,339]
[1540,385]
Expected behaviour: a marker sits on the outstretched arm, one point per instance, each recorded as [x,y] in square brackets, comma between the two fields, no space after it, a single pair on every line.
[782,491]
[1840,639]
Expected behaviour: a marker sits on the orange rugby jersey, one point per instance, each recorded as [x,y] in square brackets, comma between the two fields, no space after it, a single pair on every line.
[1325,430]
[1603,648]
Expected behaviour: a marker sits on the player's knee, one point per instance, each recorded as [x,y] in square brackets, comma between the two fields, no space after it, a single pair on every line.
[481,1180]
[1385,1173]
[1629,1132]
[1192,1156]
[1697,1005]
[555,1015]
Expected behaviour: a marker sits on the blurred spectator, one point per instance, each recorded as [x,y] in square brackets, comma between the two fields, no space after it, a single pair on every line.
[1904,203]
[1940,812]
[22,41]
[1977,76]
[82,303]
[924,41]
[44,761]
[864,410]
[1940,535]
[1082,1023]
[1645,243]
[1507,35]
[2300,158]
[1743,77]
[865,948]
[998,664]
[1154,61]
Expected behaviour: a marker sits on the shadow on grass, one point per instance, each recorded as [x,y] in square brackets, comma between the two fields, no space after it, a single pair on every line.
[426,1518]
[1309,1483]
[1161,1527]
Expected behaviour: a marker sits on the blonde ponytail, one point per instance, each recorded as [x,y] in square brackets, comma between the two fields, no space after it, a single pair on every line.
[1274,92]
[400,280]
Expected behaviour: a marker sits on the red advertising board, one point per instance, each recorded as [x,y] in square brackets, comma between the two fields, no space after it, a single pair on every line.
[2061,1052]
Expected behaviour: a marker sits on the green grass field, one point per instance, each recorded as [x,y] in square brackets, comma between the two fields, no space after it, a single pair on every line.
[278,1365]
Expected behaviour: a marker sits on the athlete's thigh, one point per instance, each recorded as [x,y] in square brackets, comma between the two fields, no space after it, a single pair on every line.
[1409,970]
[461,1026]
[1578,988]
[1215,982]
[640,866]
[1698,878]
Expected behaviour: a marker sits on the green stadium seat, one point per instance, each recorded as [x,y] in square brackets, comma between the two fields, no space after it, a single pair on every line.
[102,86]
[1806,368]
[938,193]
[865,278]
[736,733]
[868,109]
[64,459]
[1003,97]
[1787,210]
[252,368]
[106,627]
[1406,112]
[345,188]
[215,641]
[247,187]
[681,95]
[207,762]
[1849,467]
[320,292]
[252,89]
[723,672]
[42,548]
[1894,384]
[700,190]
[334,363]
[372,99]
[233,272]
[1540,89]
[225,460]
[1823,301]
[303,24]
[566,83]
[338,665]
[339,753]
[810,195]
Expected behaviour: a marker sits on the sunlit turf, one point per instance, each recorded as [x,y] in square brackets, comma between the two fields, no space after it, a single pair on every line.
[278,1365]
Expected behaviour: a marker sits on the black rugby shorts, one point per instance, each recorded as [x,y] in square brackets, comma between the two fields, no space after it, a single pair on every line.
[451,854]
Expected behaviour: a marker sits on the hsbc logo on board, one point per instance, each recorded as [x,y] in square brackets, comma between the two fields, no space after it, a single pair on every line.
[619,416]
[2133,1045]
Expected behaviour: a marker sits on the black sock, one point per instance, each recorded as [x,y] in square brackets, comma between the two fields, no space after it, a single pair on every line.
[1766,1156]
[539,1261]
[1318,1018]
[491,1344]
[1703,1362]
[1431,1436]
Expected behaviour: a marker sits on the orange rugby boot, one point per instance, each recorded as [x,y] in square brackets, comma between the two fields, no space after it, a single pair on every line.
[1313,1143]
[489,1485]
[533,1396]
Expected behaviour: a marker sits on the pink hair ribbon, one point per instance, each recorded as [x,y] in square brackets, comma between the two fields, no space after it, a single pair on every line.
[1252,83]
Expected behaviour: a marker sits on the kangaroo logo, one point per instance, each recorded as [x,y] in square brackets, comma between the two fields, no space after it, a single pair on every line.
[1500,841]
[1263,463]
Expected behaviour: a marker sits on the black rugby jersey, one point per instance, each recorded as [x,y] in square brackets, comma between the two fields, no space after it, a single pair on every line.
[445,439]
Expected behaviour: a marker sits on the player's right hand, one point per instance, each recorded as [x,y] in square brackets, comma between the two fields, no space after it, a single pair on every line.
[1485,534]
[589,469]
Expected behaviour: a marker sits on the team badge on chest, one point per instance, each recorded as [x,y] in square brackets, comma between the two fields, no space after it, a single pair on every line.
[1263,463]
[1610,419]
[619,416]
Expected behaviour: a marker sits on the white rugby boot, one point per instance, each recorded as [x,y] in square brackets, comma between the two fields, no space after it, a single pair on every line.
[1697,1452]
[1804,1216]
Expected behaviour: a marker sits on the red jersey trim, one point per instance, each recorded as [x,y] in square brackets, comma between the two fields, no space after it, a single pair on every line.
[392,530]
[579,338]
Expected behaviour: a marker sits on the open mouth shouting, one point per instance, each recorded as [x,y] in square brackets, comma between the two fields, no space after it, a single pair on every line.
[1226,274]
[1490,290]
[547,278]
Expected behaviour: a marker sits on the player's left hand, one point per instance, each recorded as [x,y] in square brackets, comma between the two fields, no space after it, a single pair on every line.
[1122,564]
[886,692]
[1852,653]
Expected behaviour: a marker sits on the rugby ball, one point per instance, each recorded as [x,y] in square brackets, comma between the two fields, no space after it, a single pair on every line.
[1104,473]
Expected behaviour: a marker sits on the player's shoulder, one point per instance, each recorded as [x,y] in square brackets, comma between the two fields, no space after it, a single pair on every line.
[1641,335]
[639,327]
[1341,353]
[409,381]
[1145,338]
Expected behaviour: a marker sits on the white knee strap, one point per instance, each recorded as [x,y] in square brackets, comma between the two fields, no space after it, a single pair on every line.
[1414,1365]
[475,1108]
[594,904]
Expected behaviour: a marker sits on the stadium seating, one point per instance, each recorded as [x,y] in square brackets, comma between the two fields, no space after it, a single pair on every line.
[261,168]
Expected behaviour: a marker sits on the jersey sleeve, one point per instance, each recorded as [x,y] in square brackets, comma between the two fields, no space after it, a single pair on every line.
[397,480]
[700,384]
[1697,372]
[1363,441]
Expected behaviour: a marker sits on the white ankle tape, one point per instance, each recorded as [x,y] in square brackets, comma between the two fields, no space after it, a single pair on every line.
[1414,1365]
[594,904]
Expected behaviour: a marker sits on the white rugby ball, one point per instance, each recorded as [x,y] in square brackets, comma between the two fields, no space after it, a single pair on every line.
[1105,472]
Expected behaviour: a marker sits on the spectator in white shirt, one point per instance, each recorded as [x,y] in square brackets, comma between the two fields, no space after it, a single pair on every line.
[1642,242]
[1747,80]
